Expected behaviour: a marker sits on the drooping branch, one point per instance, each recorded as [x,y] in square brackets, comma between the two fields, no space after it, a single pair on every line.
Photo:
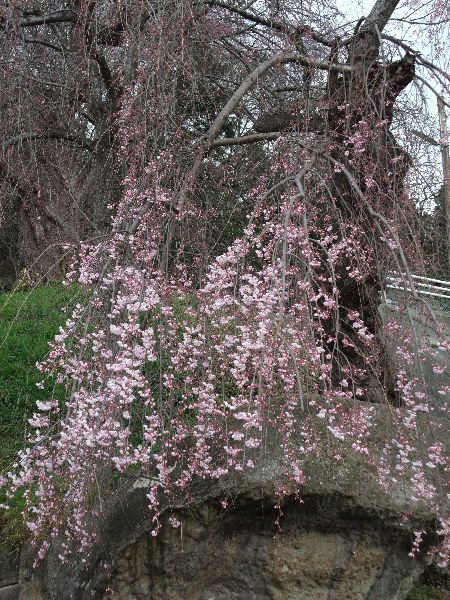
[376,215]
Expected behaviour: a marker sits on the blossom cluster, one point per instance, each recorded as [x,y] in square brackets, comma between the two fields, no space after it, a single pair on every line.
[275,350]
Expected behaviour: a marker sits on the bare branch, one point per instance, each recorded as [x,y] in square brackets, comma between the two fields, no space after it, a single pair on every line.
[249,82]
[109,36]
[251,17]
[379,16]
[44,43]
[59,16]
[289,30]
[425,138]
[430,87]
[245,139]
[48,135]
[105,73]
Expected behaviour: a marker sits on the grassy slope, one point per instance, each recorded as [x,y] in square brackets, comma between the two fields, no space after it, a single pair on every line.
[28,321]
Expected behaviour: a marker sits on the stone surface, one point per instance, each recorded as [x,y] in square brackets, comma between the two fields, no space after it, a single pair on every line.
[9,576]
[346,541]
[322,548]
[238,554]
[9,569]
[10,592]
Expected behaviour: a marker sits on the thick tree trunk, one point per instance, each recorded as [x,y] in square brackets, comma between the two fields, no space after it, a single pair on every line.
[359,119]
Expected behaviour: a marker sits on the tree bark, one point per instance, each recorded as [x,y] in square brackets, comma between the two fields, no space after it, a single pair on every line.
[359,122]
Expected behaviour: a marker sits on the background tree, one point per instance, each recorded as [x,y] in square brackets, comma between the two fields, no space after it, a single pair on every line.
[435,237]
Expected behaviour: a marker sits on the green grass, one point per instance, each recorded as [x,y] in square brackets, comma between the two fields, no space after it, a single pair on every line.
[434,585]
[424,592]
[28,321]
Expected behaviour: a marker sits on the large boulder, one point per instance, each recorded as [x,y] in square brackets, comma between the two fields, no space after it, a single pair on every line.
[344,538]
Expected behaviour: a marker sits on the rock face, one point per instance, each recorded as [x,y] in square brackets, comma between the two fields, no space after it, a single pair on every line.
[324,552]
[346,539]
[9,577]
[323,547]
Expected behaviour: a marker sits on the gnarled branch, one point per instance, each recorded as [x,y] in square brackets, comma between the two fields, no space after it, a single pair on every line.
[248,83]
[58,16]
[47,135]
[43,43]
[245,139]
[288,29]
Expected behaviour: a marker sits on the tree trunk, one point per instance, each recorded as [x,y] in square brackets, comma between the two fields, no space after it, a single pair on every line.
[368,185]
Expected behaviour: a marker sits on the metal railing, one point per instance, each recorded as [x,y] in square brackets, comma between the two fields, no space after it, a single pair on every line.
[435,291]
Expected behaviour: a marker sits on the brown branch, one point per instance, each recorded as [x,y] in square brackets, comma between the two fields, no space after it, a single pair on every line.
[44,43]
[424,137]
[59,16]
[105,73]
[248,83]
[48,135]
[245,139]
[90,33]
[288,29]
[379,16]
